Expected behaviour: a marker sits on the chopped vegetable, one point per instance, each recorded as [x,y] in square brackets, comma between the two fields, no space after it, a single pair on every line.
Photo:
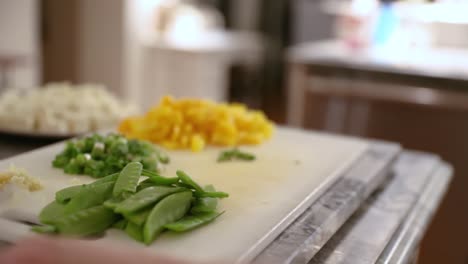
[98,156]
[194,123]
[143,209]
[235,154]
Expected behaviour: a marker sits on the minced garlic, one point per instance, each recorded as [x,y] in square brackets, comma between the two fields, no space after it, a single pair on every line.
[21,178]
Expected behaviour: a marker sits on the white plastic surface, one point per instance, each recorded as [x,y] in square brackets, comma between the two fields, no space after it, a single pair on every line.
[290,172]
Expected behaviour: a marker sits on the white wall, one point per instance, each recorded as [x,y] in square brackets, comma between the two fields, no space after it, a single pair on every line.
[100,47]
[19,35]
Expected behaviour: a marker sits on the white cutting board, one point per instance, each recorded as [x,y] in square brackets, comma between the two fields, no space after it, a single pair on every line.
[291,171]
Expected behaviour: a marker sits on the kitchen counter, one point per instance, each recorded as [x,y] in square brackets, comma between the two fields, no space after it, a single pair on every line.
[444,64]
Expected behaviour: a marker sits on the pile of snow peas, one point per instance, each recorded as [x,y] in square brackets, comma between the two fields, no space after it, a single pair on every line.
[143,209]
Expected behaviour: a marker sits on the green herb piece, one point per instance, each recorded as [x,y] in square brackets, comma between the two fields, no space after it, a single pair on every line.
[193,221]
[235,154]
[98,156]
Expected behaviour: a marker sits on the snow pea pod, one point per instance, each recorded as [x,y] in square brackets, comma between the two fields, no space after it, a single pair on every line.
[134,231]
[145,198]
[44,229]
[121,224]
[86,222]
[51,213]
[205,204]
[109,178]
[138,218]
[128,179]
[158,179]
[184,178]
[90,196]
[193,221]
[145,184]
[65,195]
[168,210]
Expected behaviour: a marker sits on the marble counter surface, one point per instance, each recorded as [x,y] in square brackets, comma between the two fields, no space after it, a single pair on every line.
[425,62]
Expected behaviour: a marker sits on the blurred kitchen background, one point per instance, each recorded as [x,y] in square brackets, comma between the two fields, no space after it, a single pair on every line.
[392,70]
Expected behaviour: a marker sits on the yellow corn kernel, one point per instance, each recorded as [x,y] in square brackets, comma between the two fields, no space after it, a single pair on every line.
[193,123]
[197,143]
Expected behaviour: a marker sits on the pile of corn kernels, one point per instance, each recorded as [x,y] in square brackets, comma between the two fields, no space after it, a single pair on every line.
[194,123]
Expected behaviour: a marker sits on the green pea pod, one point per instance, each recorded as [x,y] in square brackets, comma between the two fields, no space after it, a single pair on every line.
[44,229]
[183,185]
[90,196]
[109,178]
[193,221]
[86,222]
[138,218]
[168,210]
[158,179]
[112,203]
[65,195]
[210,194]
[145,198]
[51,213]
[206,204]
[134,231]
[184,178]
[128,179]
[121,224]
[145,184]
